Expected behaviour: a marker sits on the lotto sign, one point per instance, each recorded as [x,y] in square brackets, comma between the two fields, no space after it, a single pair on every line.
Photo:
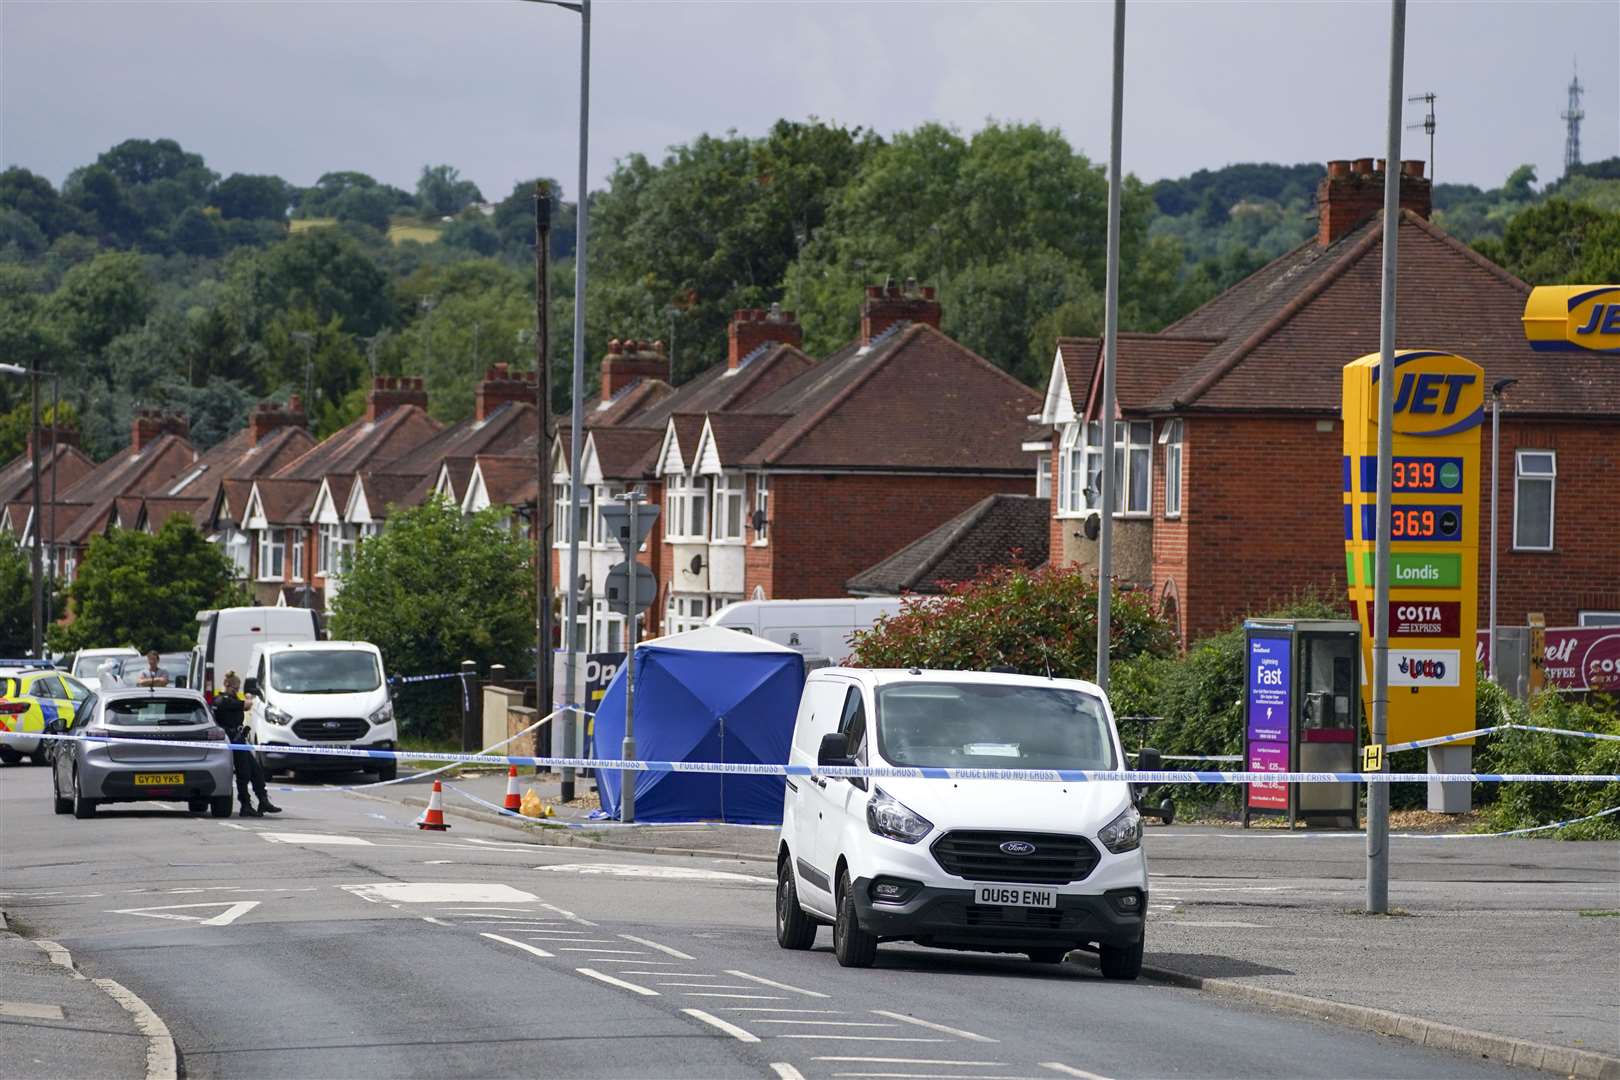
[1434,533]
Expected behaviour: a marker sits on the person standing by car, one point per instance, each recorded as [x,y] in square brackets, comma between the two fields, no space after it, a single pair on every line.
[152,674]
[230,712]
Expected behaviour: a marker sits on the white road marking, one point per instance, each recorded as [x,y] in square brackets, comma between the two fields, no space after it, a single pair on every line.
[161,1061]
[772,1009]
[929,1076]
[833,1023]
[706,986]
[436,922]
[910,1061]
[777,985]
[438,862]
[665,949]
[741,997]
[437,892]
[610,952]
[1070,1070]
[620,983]
[314,838]
[784,1071]
[59,956]
[519,945]
[931,1026]
[485,909]
[671,974]
[569,915]
[664,873]
[231,913]
[233,825]
[29,1010]
[866,1038]
[1216,923]
[644,963]
[723,1025]
[551,935]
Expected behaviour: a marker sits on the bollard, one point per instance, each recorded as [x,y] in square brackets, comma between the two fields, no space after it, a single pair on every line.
[472,708]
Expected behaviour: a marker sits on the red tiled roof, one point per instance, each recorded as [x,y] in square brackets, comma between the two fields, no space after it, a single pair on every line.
[736,435]
[17,476]
[286,500]
[1079,357]
[508,481]
[620,451]
[1146,365]
[126,473]
[999,530]
[365,444]
[387,490]
[156,511]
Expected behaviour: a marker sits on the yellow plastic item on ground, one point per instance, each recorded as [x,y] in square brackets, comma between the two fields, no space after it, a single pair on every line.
[531,805]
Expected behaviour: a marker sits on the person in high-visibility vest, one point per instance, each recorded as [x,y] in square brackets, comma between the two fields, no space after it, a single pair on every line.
[230,711]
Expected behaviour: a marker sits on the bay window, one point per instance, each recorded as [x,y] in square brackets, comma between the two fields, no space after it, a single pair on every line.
[762,508]
[1172,468]
[272,553]
[686,507]
[1071,470]
[684,613]
[559,511]
[1092,490]
[728,508]
[1043,476]
[1133,466]
[297,554]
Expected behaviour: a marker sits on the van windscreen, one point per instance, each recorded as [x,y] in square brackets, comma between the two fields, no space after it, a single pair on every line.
[992,726]
[325,671]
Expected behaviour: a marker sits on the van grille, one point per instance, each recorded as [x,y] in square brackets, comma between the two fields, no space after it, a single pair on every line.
[977,856]
[336,729]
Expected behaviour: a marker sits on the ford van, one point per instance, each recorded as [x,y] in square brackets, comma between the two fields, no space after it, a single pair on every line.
[320,694]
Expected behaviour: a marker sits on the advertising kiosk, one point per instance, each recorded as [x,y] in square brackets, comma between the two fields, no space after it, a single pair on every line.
[1302,713]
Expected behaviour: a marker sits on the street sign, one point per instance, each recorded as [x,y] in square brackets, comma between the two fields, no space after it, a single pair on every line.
[618,587]
[1372,758]
[617,517]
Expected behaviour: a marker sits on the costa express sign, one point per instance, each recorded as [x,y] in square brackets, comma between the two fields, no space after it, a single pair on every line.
[1434,533]
[1573,318]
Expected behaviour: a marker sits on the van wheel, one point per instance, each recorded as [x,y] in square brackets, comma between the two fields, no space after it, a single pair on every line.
[794,929]
[10,757]
[82,807]
[389,770]
[220,806]
[1053,955]
[852,946]
[1121,961]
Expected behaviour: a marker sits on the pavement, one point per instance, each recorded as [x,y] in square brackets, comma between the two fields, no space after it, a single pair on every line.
[338,940]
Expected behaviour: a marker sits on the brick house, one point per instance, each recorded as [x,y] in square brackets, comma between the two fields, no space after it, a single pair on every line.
[1231,445]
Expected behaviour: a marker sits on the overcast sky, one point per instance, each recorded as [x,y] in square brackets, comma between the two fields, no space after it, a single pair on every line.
[491,86]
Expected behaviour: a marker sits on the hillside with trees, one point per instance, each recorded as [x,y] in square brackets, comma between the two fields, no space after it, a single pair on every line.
[147,278]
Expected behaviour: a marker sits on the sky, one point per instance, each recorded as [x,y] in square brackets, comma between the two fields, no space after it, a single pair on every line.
[491,86]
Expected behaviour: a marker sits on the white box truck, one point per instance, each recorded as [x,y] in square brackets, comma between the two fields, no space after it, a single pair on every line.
[226,637]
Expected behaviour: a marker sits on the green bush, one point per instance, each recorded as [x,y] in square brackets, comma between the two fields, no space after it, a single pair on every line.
[1039,621]
[1520,806]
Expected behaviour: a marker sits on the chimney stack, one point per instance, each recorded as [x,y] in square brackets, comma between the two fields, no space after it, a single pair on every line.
[752,327]
[889,303]
[1352,192]
[501,386]
[269,416]
[149,425]
[49,437]
[629,360]
[390,392]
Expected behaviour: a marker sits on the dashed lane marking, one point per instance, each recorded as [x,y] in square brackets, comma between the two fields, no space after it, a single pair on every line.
[437,892]
[484,909]
[436,922]
[1070,1070]
[31,1010]
[739,997]
[644,963]
[665,949]
[931,1026]
[772,1009]
[610,952]
[520,945]
[569,915]
[647,870]
[784,1071]
[672,975]
[592,973]
[706,986]
[830,1023]
[549,936]
[740,1034]
[867,1038]
[315,839]
[928,1076]
[911,1061]
[776,985]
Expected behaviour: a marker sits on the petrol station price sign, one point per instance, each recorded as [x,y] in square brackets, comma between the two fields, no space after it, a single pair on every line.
[1434,533]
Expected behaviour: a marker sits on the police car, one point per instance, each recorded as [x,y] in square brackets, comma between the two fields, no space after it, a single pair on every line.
[30,698]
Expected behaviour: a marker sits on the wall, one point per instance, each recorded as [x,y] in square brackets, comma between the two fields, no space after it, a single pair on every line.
[826,528]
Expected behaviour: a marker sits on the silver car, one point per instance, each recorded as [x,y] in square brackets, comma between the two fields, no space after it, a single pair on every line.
[86,773]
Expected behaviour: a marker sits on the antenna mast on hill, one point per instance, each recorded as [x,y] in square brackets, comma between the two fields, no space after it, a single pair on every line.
[1428,127]
[1572,118]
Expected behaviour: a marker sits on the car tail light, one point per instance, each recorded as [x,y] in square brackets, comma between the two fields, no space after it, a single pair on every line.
[13,708]
[216,734]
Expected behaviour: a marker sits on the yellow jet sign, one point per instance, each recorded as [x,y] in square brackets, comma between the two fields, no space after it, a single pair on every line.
[1573,318]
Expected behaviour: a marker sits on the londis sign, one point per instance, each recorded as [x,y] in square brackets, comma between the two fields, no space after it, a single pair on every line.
[1573,318]
[1434,533]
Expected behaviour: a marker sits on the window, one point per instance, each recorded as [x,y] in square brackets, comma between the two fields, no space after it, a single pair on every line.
[587,514]
[762,509]
[272,550]
[1172,468]
[297,554]
[559,517]
[1043,476]
[239,551]
[1092,489]
[608,628]
[685,612]
[686,508]
[1071,470]
[1133,466]
[70,568]
[1600,618]
[1536,473]
[337,549]
[728,508]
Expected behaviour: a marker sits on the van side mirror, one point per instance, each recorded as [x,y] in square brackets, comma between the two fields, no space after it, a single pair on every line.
[834,750]
[1149,760]
[251,687]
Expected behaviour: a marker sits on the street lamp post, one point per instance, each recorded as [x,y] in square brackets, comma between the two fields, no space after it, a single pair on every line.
[1496,443]
[1105,541]
[37,554]
[575,433]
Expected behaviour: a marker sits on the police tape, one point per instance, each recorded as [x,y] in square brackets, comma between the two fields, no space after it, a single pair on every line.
[877,772]
[1419,744]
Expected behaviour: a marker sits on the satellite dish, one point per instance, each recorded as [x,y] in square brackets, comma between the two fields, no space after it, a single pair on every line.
[1093,526]
[697,565]
[757,520]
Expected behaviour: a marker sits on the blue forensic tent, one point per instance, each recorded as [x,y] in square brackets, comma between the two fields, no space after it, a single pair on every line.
[710,694]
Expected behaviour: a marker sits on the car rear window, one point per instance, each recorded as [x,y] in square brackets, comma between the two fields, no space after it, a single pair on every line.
[156,712]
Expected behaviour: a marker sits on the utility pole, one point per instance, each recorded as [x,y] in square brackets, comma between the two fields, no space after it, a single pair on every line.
[307,340]
[56,461]
[627,778]
[1496,456]
[39,527]
[1105,542]
[1378,793]
[543,695]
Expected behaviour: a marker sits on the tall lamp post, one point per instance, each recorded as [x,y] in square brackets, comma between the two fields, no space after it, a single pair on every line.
[575,434]
[1496,443]
[33,377]
[1105,542]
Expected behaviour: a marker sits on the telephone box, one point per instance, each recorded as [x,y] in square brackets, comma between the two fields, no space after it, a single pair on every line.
[1302,713]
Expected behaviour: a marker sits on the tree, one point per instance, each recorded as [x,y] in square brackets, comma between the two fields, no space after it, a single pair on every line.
[1037,621]
[144,589]
[17,598]
[34,198]
[100,300]
[441,192]
[1559,242]
[240,195]
[16,425]
[438,588]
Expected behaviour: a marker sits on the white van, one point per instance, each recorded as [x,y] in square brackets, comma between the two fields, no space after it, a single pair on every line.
[812,627]
[87,663]
[225,639]
[1026,866]
[320,693]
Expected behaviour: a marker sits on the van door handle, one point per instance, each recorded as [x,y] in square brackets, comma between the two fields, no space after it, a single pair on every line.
[818,781]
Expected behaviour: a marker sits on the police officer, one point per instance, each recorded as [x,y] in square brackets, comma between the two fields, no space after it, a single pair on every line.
[230,713]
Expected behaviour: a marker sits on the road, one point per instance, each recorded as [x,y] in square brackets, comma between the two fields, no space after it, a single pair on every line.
[338,940]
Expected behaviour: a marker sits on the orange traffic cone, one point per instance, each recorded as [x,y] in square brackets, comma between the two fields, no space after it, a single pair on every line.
[514,800]
[433,817]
